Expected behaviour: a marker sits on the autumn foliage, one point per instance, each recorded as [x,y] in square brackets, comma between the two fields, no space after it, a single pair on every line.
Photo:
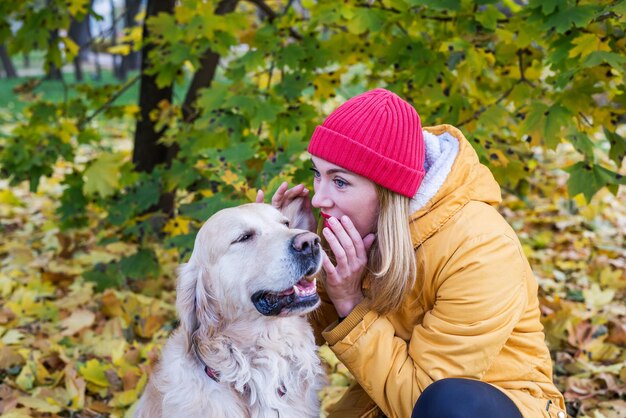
[101,194]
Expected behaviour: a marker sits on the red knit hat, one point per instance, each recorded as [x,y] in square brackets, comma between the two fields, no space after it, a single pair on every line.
[377,135]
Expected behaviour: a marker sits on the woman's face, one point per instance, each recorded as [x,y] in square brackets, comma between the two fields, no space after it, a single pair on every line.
[340,192]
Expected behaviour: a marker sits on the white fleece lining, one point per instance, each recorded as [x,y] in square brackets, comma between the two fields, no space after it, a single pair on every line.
[441,151]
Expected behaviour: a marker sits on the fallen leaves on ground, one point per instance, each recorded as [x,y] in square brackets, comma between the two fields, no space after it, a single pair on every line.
[67,350]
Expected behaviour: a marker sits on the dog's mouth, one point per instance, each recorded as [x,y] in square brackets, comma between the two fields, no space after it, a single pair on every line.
[301,297]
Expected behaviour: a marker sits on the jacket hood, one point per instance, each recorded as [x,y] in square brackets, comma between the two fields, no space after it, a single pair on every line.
[454,177]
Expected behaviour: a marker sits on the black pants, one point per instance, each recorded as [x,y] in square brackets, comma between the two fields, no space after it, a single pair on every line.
[463,398]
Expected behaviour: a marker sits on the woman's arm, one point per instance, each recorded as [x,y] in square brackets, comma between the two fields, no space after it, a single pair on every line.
[480,297]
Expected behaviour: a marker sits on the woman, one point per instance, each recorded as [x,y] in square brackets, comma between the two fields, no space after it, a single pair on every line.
[429,299]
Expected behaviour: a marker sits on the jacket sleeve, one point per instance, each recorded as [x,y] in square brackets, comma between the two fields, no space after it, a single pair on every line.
[480,296]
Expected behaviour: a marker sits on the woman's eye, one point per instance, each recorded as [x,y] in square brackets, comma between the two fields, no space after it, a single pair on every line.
[316,173]
[340,183]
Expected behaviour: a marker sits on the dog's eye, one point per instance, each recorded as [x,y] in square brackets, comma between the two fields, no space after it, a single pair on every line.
[286,223]
[246,236]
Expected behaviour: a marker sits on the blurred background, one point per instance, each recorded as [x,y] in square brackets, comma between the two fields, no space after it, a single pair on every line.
[124,124]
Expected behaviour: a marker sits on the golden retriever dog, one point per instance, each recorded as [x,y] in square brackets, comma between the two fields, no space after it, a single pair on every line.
[244,347]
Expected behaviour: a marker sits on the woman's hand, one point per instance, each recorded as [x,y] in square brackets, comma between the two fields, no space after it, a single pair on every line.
[294,203]
[343,281]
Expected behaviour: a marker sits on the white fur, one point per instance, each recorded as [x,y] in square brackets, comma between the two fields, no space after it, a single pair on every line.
[441,151]
[254,355]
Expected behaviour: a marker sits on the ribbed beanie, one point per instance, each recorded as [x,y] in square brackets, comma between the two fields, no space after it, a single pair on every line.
[377,135]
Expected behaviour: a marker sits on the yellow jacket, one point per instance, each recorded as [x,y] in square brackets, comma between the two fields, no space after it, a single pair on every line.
[472,313]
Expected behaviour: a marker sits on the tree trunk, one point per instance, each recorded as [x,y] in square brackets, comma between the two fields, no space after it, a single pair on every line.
[208,64]
[54,72]
[116,60]
[147,152]
[132,61]
[7,64]
[80,33]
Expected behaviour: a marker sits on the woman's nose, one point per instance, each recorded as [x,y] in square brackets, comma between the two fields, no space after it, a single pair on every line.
[320,199]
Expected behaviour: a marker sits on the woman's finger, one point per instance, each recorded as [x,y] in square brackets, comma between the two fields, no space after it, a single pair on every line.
[278,197]
[368,241]
[359,245]
[328,266]
[345,240]
[336,248]
[294,192]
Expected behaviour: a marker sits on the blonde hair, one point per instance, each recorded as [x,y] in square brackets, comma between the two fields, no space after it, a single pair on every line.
[391,267]
[391,259]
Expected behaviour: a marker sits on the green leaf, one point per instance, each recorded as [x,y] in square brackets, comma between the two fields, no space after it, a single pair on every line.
[615,60]
[105,276]
[547,6]
[364,20]
[583,144]
[141,265]
[585,44]
[557,117]
[589,179]
[489,17]
[448,5]
[102,175]
[618,146]
[578,16]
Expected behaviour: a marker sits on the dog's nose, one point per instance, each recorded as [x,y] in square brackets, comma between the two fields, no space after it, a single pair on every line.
[306,243]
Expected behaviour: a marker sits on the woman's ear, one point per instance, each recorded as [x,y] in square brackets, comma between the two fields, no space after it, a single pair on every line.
[194,303]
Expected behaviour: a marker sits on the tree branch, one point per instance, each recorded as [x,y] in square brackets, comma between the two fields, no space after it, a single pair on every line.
[111,100]
[271,14]
[485,107]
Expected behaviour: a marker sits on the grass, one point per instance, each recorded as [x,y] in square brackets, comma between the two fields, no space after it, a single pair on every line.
[54,90]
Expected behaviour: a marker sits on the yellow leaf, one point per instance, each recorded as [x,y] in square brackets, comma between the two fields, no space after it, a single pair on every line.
[77,321]
[17,413]
[251,195]
[71,48]
[229,177]
[94,372]
[12,336]
[75,387]
[177,226]
[67,130]
[586,44]
[122,49]
[26,379]
[38,404]
[596,297]
[133,36]
[131,109]
[77,6]
[102,176]
[8,198]
[125,398]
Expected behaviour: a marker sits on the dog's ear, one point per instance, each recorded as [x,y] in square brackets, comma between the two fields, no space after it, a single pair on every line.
[194,302]
[299,213]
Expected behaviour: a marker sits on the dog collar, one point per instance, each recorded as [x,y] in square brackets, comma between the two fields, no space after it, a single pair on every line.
[212,373]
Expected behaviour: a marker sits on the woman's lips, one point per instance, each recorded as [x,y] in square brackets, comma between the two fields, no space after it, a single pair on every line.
[326,218]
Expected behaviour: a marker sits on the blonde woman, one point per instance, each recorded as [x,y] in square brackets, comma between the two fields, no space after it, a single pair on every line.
[429,299]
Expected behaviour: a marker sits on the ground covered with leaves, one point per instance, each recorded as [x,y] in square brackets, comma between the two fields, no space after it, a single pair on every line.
[67,349]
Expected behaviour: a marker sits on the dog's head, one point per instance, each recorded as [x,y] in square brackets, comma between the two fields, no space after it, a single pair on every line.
[248,262]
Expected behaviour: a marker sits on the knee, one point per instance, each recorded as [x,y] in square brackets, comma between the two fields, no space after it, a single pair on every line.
[443,398]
